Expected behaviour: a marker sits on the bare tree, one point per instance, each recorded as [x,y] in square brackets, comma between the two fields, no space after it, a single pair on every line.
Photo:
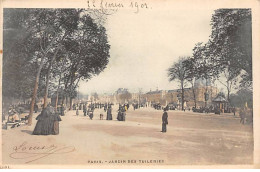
[178,71]
[229,83]
[191,76]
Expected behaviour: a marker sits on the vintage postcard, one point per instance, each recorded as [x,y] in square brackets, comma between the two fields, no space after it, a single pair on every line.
[130,84]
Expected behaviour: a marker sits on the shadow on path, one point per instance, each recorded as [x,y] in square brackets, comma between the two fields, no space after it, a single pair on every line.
[27,131]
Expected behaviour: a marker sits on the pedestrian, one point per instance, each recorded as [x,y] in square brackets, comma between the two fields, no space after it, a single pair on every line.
[123,114]
[234,111]
[164,121]
[119,116]
[47,122]
[91,115]
[13,117]
[84,109]
[101,116]
[105,108]
[109,113]
[242,115]
[56,124]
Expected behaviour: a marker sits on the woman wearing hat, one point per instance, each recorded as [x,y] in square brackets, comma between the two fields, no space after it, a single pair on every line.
[47,122]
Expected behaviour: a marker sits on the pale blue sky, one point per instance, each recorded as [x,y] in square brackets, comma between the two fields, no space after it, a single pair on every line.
[144,45]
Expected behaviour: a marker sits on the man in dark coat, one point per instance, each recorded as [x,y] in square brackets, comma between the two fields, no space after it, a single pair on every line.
[48,122]
[164,121]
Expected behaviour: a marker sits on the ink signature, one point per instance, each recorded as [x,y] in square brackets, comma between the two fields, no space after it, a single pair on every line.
[33,153]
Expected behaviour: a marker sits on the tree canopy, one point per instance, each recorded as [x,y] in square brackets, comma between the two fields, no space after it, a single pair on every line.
[37,41]
[230,44]
[179,71]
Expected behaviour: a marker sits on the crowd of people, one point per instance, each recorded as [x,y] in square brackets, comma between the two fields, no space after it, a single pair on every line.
[88,110]
[121,115]
[49,118]
[138,105]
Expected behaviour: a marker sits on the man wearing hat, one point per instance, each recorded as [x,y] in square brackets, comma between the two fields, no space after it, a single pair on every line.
[164,120]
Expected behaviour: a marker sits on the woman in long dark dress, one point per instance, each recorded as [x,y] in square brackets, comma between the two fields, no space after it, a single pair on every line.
[48,122]
[56,127]
[123,115]
[109,113]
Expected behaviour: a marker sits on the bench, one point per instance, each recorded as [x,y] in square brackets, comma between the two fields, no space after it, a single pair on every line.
[8,125]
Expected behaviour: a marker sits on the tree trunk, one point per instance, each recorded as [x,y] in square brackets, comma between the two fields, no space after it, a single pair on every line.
[56,102]
[70,103]
[194,95]
[62,100]
[71,87]
[48,78]
[35,91]
[182,96]
[57,95]
[66,96]
[228,95]
[46,87]
[206,92]
[229,87]
[66,100]
[37,83]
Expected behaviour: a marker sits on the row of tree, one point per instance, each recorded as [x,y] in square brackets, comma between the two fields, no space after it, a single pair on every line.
[227,54]
[51,50]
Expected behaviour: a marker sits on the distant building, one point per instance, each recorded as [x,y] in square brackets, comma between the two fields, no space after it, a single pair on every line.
[122,95]
[106,98]
[135,97]
[158,96]
[174,96]
[202,90]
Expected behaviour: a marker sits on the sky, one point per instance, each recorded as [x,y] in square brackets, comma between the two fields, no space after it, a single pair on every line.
[145,44]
